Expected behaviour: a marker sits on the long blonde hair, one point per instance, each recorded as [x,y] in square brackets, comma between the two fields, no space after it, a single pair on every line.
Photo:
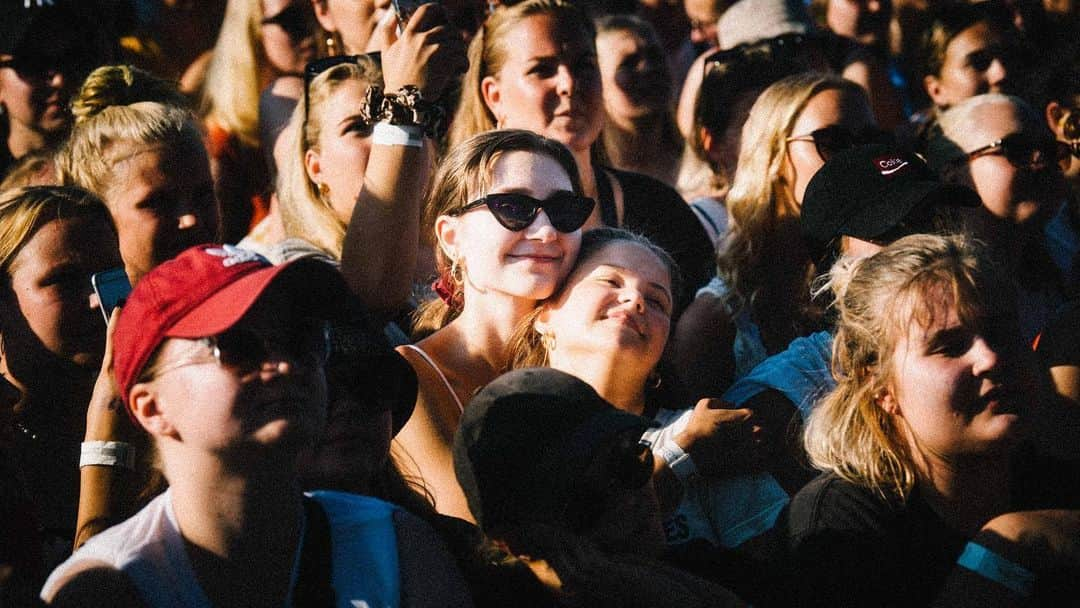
[230,94]
[464,172]
[760,193]
[487,53]
[877,300]
[121,104]
[305,213]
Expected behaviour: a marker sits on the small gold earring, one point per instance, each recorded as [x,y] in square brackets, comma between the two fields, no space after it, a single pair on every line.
[324,191]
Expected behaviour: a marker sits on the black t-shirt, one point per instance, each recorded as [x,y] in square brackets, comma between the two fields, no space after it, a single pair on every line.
[1059,343]
[848,546]
[656,210]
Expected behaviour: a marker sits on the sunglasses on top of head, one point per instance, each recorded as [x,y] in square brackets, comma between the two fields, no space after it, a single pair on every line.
[566,211]
[834,138]
[1026,152]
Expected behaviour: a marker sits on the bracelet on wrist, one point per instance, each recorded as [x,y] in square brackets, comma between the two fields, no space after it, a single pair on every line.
[107,453]
[386,134]
[405,107]
[680,463]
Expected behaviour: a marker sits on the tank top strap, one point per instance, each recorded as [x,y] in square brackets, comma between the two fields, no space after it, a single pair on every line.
[423,355]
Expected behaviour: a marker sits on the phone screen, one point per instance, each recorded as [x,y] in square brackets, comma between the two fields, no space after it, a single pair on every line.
[111,286]
[406,8]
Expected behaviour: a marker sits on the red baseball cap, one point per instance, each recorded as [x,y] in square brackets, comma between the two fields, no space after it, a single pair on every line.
[204,291]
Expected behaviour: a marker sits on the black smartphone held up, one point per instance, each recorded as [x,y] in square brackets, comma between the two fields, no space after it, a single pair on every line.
[111,286]
[406,8]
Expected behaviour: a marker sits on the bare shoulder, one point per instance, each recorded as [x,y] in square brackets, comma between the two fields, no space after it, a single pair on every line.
[96,584]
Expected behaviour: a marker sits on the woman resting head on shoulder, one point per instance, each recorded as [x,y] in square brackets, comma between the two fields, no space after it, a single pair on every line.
[141,151]
[923,440]
[560,483]
[506,210]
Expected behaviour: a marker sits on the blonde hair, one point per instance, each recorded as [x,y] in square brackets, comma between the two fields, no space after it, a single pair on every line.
[230,94]
[465,172]
[877,300]
[304,211]
[121,104]
[760,193]
[526,345]
[487,53]
[24,210]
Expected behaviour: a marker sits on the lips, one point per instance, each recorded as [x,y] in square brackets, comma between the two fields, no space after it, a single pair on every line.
[999,400]
[629,320]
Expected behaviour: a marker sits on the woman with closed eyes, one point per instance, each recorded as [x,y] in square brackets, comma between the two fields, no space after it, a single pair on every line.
[506,209]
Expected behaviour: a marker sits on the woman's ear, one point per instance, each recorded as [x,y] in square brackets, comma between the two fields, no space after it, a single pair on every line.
[885,399]
[492,94]
[447,235]
[313,165]
[322,15]
[1055,118]
[145,408]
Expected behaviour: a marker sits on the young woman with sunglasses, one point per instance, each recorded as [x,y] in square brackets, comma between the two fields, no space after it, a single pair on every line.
[1000,147]
[533,66]
[259,42]
[349,185]
[761,299]
[506,210]
[220,357]
[931,475]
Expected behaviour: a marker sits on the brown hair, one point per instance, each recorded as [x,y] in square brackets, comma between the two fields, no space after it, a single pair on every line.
[465,172]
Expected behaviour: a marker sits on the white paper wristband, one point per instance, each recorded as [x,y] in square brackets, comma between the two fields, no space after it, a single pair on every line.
[677,460]
[386,134]
[107,453]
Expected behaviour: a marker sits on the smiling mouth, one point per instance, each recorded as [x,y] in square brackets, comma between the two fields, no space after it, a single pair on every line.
[629,321]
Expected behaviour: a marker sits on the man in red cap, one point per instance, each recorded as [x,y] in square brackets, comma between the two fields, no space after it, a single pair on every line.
[220,357]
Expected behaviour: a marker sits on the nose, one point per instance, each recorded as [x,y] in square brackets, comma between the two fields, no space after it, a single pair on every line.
[996,73]
[873,7]
[985,357]
[187,220]
[565,84]
[541,229]
[697,34]
[633,296]
[56,79]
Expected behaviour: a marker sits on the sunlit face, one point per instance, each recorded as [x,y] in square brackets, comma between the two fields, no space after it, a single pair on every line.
[528,264]
[162,202]
[288,34]
[549,83]
[634,73]
[216,408]
[865,21]
[35,101]
[957,386]
[1017,195]
[343,148]
[973,65]
[617,303]
[55,307]
[826,108]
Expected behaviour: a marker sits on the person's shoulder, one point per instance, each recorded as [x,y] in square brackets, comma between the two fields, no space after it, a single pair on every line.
[831,502]
[96,585]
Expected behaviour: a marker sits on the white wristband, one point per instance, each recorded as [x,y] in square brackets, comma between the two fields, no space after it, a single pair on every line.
[107,453]
[677,460]
[386,134]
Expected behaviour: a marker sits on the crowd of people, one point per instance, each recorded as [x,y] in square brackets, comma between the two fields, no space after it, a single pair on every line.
[539,303]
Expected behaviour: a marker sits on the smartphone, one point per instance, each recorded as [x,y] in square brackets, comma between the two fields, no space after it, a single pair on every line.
[406,8]
[111,286]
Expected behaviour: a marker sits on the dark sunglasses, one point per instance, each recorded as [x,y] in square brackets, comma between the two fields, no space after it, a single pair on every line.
[1025,152]
[318,66]
[307,344]
[785,48]
[516,212]
[297,20]
[44,68]
[834,138]
[980,60]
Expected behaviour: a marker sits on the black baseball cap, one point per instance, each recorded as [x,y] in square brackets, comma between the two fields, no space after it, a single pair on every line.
[526,440]
[868,192]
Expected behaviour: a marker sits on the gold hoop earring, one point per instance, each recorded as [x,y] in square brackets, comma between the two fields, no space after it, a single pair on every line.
[324,191]
[456,272]
[655,379]
[547,340]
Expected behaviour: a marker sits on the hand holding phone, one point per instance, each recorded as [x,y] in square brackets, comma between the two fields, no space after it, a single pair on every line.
[111,286]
